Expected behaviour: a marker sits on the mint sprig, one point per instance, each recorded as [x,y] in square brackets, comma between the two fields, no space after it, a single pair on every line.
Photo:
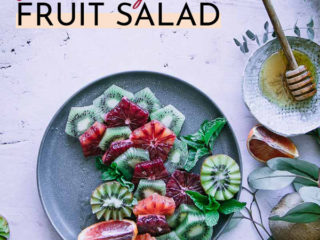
[201,142]
[211,208]
[111,173]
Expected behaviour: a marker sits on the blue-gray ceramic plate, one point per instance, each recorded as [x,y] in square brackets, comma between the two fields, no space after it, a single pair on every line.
[66,179]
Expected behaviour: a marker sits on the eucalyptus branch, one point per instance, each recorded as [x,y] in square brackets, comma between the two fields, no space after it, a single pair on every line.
[293,175]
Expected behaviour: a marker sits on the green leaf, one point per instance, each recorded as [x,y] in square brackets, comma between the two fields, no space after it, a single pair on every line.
[212,218]
[231,206]
[274,34]
[310,33]
[266,179]
[257,40]
[236,41]
[126,183]
[194,157]
[294,166]
[265,37]
[245,47]
[297,30]
[213,204]
[100,165]
[201,201]
[266,26]
[213,129]
[310,194]
[297,185]
[251,35]
[302,213]
[310,24]
[192,142]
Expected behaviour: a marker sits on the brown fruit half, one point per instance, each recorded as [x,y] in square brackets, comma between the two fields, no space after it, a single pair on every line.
[110,230]
[264,145]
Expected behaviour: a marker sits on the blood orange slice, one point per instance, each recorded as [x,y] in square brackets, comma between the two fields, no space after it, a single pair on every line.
[126,113]
[155,204]
[179,183]
[90,139]
[150,170]
[110,230]
[154,137]
[154,224]
[115,150]
[264,145]
[146,236]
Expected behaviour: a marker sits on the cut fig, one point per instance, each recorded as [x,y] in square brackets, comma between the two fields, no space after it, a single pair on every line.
[180,182]
[90,139]
[154,137]
[115,150]
[127,113]
[110,230]
[155,204]
[150,170]
[154,224]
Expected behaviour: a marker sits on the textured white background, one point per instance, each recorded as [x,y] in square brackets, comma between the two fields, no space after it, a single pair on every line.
[41,69]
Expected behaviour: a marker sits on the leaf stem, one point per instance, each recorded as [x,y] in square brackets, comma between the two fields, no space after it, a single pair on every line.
[254,222]
[296,176]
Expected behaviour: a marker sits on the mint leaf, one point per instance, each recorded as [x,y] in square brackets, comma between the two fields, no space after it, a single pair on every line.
[231,206]
[302,213]
[192,142]
[213,204]
[201,201]
[100,165]
[212,218]
[195,156]
[212,129]
[126,183]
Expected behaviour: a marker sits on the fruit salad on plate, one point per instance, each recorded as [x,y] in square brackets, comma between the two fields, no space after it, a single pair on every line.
[148,192]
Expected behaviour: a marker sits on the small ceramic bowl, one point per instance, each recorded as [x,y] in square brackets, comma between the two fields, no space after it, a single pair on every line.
[296,118]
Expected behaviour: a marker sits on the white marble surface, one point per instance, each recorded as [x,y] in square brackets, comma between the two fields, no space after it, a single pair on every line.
[40,69]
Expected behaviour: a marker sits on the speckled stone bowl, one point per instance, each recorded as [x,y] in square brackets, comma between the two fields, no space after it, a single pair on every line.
[299,117]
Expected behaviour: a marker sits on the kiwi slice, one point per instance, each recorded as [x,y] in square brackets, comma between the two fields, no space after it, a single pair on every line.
[148,187]
[180,215]
[114,134]
[169,236]
[194,227]
[111,200]
[220,177]
[110,98]
[177,157]
[80,119]
[147,100]
[129,159]
[170,117]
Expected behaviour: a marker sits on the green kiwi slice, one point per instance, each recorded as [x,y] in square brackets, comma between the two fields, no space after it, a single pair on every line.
[180,215]
[170,117]
[4,228]
[220,177]
[148,187]
[114,134]
[147,100]
[177,157]
[111,200]
[80,119]
[110,98]
[194,227]
[169,236]
[127,161]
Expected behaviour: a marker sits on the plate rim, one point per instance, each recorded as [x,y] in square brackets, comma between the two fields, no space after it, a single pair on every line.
[45,134]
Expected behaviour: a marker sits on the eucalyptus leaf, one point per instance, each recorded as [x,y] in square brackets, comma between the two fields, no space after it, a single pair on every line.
[303,213]
[251,35]
[257,40]
[266,179]
[297,185]
[236,41]
[266,26]
[310,24]
[297,30]
[310,33]
[295,166]
[265,37]
[310,194]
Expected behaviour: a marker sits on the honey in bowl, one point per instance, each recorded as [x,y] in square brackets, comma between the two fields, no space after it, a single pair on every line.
[272,76]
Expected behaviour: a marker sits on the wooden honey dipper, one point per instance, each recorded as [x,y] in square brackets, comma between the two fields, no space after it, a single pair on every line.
[298,79]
